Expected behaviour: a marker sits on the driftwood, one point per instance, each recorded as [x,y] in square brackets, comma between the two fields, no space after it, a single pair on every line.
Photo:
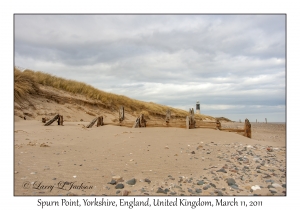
[52,120]
[92,123]
[190,120]
[140,122]
[100,121]
[168,116]
[247,128]
[121,114]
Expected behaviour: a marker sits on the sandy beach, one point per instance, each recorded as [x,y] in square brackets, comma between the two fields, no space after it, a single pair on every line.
[114,160]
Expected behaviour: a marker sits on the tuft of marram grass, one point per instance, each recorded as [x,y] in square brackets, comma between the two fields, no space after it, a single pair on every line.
[24,84]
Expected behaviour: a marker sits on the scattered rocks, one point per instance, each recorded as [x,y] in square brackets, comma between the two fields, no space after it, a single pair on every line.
[160,190]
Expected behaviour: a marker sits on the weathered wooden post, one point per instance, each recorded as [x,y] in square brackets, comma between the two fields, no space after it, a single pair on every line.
[121,114]
[190,121]
[187,122]
[61,120]
[168,116]
[52,120]
[193,122]
[136,123]
[218,125]
[142,121]
[92,123]
[247,128]
[100,121]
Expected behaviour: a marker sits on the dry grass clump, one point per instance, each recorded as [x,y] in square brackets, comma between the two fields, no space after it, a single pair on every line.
[24,84]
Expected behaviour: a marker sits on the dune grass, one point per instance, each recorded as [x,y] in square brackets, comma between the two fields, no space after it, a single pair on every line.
[31,79]
[24,84]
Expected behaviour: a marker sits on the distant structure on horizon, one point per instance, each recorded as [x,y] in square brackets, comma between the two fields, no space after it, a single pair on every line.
[198,107]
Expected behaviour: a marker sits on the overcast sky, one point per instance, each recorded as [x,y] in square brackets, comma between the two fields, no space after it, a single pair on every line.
[233,64]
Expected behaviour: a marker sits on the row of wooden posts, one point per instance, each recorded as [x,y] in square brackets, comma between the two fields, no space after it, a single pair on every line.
[141,122]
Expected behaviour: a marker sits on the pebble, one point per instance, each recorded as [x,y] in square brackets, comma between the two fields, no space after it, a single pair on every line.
[200,182]
[222,170]
[147,180]
[131,181]
[230,181]
[198,190]
[118,178]
[213,185]
[112,182]
[125,192]
[255,187]
[119,186]
[276,185]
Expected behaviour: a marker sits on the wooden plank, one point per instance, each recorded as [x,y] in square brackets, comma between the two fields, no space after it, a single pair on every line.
[52,120]
[92,123]
[232,130]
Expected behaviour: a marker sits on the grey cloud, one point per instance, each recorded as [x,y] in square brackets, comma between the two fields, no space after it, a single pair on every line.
[168,59]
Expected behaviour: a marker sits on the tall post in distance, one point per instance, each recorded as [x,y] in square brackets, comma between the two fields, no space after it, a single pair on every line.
[198,107]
